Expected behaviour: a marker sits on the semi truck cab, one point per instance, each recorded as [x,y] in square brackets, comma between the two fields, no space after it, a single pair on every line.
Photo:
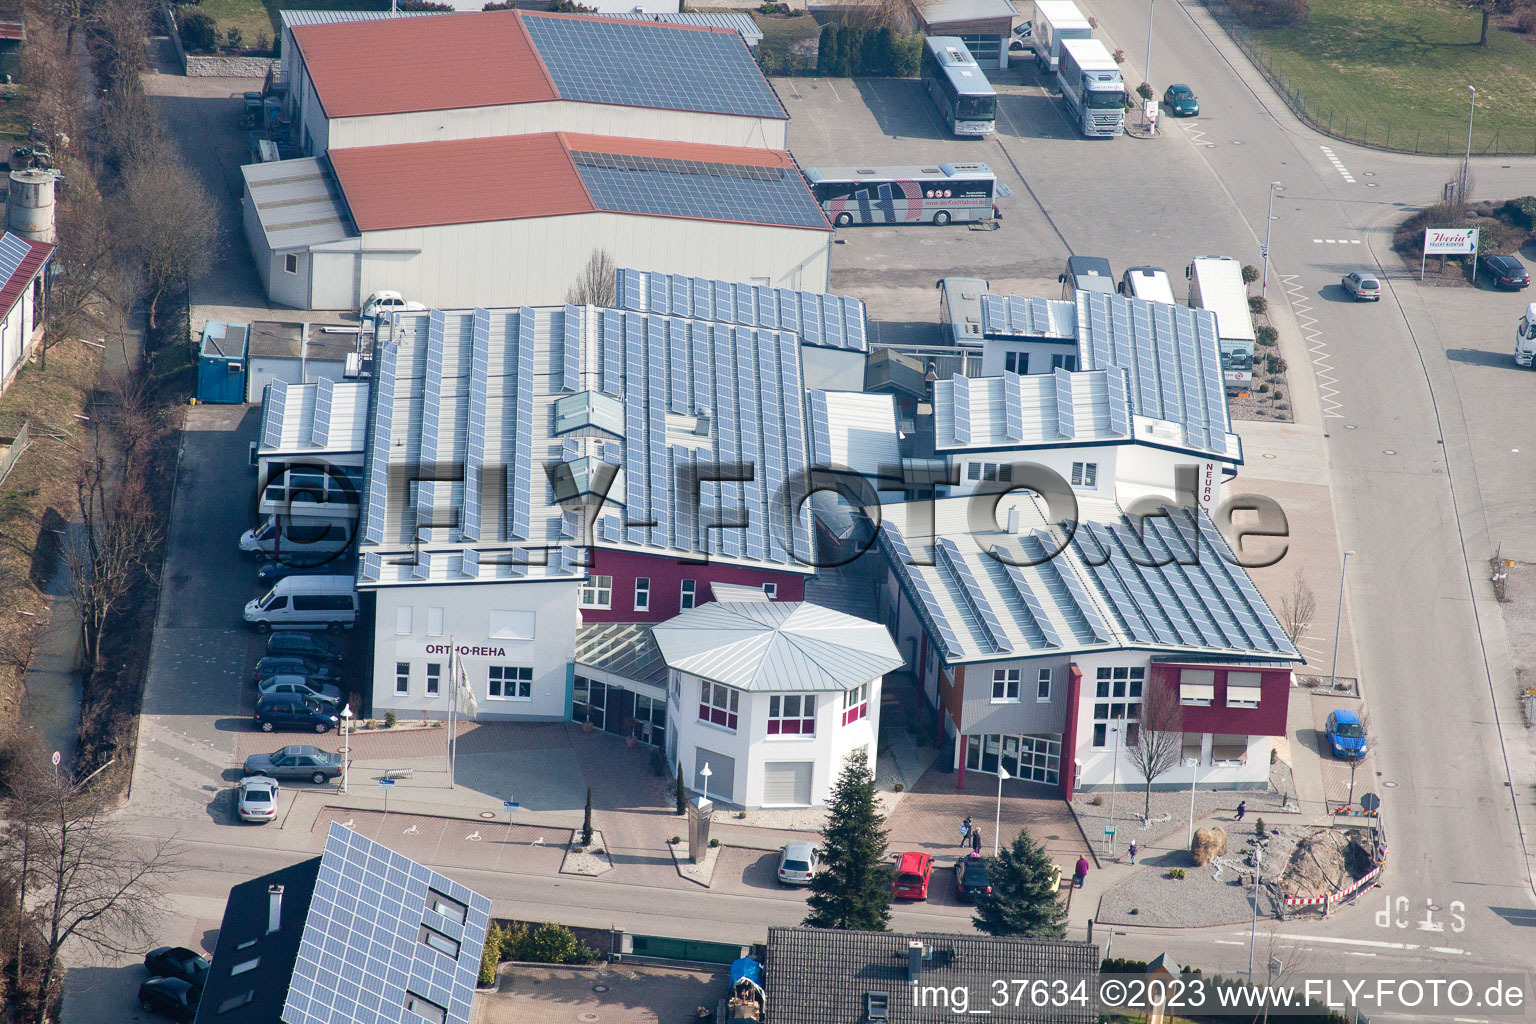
[1525,337]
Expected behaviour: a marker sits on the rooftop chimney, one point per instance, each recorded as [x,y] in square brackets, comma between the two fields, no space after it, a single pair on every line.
[274,909]
[1013,519]
[701,428]
[914,961]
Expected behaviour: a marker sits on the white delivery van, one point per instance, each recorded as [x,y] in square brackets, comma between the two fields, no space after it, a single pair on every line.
[306,602]
[308,540]
[1150,283]
[1525,337]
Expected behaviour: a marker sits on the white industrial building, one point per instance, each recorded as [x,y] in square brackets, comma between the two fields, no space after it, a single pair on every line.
[22,263]
[515,219]
[771,697]
[463,76]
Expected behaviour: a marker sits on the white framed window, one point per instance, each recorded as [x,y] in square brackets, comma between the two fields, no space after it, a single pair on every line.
[772,590]
[1043,686]
[642,593]
[792,714]
[512,682]
[855,704]
[597,592]
[1244,689]
[1068,363]
[402,678]
[1005,685]
[690,593]
[1229,748]
[434,678]
[1197,687]
[718,705]
[1085,474]
[291,263]
[1117,701]
[403,620]
[434,622]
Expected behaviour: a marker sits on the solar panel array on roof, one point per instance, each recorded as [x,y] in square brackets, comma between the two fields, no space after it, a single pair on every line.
[13,250]
[828,321]
[961,390]
[277,398]
[595,61]
[663,187]
[1005,316]
[383,931]
[1066,422]
[949,553]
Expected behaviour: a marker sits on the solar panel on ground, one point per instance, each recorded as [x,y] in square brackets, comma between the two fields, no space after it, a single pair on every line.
[665,187]
[648,65]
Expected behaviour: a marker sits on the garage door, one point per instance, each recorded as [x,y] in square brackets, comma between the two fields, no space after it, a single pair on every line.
[722,774]
[787,782]
[988,50]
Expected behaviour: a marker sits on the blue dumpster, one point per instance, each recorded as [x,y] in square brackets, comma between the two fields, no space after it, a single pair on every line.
[221,364]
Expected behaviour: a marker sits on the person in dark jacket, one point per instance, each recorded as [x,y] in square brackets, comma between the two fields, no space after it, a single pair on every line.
[1080,875]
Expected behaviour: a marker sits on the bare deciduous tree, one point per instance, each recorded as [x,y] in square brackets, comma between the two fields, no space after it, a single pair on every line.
[1159,736]
[598,283]
[1298,607]
[167,226]
[79,299]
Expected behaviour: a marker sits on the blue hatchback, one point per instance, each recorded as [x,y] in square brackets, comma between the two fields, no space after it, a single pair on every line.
[1179,100]
[1346,735]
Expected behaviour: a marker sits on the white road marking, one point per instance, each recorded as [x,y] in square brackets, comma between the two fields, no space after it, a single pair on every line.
[1336,241]
[1449,949]
[1226,942]
[1197,134]
[1355,952]
[1338,164]
[1469,1020]
[1317,349]
[1373,943]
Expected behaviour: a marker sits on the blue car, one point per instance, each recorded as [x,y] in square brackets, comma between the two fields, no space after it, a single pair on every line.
[1346,736]
[1179,100]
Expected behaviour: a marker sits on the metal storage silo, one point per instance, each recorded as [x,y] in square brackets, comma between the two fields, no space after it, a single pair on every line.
[29,206]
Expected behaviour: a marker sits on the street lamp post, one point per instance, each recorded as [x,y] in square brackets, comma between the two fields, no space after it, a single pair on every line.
[1338,619]
[997,823]
[346,746]
[1269,221]
[1146,65]
[706,773]
[1466,163]
[1192,762]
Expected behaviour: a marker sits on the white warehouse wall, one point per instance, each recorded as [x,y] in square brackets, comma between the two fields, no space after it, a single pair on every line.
[556,116]
[543,636]
[536,260]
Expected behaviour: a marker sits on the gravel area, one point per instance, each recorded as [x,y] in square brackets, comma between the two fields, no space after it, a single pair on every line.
[704,871]
[586,860]
[1206,896]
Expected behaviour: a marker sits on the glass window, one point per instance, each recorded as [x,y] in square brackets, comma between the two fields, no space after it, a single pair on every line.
[1043,686]
[718,705]
[642,593]
[511,682]
[1005,684]
[434,677]
[990,746]
[1011,755]
[597,592]
[855,704]
[690,593]
[1197,686]
[792,715]
[1229,748]
[1123,683]
[1244,689]
[771,589]
[1085,474]
[402,677]
[291,263]
[1068,363]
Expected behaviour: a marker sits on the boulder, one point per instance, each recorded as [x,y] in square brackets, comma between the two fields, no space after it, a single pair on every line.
[1210,843]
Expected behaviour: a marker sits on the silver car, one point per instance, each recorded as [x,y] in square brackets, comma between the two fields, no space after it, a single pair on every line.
[301,687]
[256,799]
[797,864]
[1364,287]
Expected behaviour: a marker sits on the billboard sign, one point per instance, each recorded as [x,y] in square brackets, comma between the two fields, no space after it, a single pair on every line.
[1449,241]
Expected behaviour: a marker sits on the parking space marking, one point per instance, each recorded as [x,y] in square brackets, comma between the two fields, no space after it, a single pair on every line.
[1197,134]
[1338,164]
[1317,349]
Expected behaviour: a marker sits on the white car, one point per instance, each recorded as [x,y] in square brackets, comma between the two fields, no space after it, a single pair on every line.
[256,799]
[383,303]
[798,862]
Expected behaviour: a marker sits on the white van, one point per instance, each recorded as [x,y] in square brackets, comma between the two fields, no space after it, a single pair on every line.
[306,602]
[293,538]
[1525,337]
[1150,283]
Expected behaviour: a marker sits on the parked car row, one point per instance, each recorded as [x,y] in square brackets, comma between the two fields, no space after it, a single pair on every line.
[175,983]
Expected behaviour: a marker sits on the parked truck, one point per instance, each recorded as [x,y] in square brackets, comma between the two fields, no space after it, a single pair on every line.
[1052,23]
[1216,284]
[1090,82]
[1525,337]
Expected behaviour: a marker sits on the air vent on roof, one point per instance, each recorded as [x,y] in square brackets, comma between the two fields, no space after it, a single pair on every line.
[865,170]
[932,170]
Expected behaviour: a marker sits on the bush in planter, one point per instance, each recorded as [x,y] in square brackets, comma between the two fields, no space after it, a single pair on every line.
[490,957]
[199,34]
[713,843]
[1176,873]
[1257,304]
[1266,335]
[390,719]
[547,944]
[1250,273]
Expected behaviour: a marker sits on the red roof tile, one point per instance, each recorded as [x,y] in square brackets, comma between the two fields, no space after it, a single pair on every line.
[19,281]
[396,65]
[468,181]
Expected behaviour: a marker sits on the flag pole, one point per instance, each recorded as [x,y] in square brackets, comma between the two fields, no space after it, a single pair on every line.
[453,706]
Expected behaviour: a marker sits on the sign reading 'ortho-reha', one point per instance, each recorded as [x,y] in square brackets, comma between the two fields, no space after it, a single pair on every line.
[1449,241]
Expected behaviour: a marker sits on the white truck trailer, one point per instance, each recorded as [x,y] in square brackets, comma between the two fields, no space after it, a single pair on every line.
[1090,82]
[1525,337]
[1052,23]
[1216,284]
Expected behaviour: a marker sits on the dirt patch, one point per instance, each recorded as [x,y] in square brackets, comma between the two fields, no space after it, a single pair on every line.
[1325,861]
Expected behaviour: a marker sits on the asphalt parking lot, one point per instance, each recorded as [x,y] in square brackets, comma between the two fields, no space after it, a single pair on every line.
[1070,195]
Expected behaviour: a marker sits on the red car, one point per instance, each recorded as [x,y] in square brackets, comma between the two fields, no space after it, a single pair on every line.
[913,870]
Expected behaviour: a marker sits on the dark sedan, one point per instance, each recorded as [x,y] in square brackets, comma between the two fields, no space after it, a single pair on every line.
[298,643]
[1179,101]
[177,962]
[313,669]
[169,997]
[971,879]
[1504,272]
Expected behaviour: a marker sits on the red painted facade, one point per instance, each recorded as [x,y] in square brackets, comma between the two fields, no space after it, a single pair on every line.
[1068,778]
[1268,719]
[667,574]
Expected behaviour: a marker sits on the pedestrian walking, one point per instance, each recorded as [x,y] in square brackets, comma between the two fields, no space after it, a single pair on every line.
[1133,851]
[975,840]
[965,831]
[1080,874]
[1242,809]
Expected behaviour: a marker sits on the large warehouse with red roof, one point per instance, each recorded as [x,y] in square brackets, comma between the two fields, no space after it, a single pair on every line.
[488,158]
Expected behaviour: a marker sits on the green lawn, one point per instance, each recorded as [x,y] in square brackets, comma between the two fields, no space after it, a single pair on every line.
[1365,68]
[256,18]
[793,38]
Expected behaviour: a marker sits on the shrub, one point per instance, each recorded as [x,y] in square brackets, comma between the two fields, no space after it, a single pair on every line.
[559,7]
[675,840]
[264,42]
[768,58]
[1120,965]
[1262,388]
[1096,801]
[1257,304]
[1525,21]
[547,944]
[390,719]
[234,38]
[1266,335]
[1272,13]
[199,34]
[826,51]
[1144,90]
[1177,873]
[490,957]
[1250,273]
[1276,366]
[714,843]
[1258,827]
